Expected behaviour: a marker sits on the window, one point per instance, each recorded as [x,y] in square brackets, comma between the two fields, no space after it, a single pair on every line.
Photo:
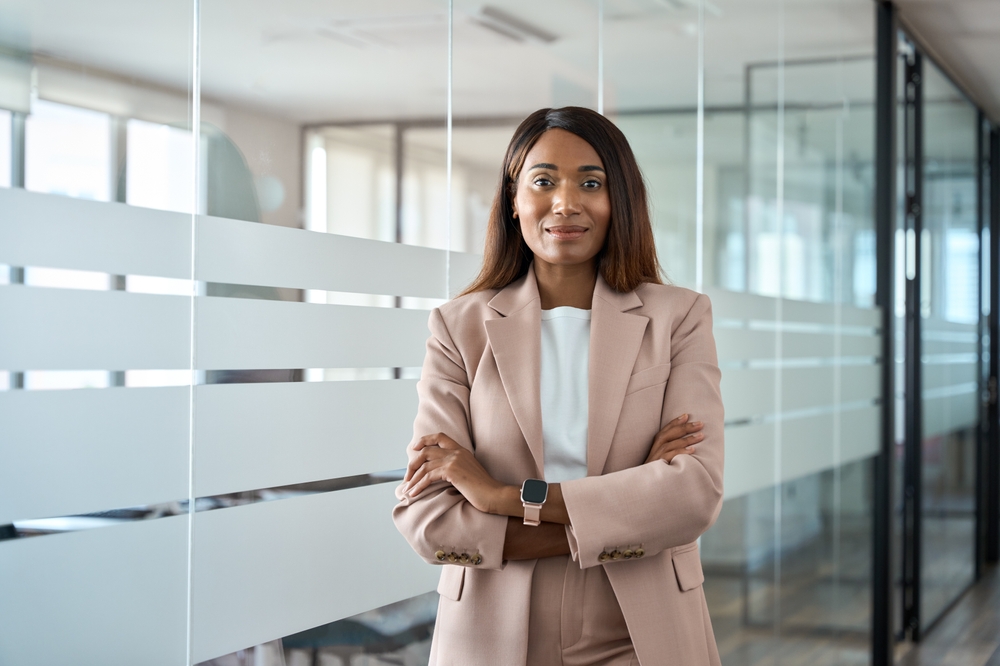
[68,151]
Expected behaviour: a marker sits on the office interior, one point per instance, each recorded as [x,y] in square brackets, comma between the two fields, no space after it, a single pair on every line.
[223,224]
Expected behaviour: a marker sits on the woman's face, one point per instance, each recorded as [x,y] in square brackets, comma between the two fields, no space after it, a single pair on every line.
[562,200]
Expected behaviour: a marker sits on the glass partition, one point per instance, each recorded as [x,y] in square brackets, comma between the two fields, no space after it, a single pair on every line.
[93,470]
[232,218]
[949,319]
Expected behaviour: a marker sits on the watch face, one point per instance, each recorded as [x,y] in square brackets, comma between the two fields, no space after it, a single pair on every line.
[534,491]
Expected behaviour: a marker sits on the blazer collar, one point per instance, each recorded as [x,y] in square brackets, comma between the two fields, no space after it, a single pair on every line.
[615,337]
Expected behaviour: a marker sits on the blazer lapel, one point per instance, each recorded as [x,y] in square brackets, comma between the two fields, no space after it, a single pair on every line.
[615,338]
[516,342]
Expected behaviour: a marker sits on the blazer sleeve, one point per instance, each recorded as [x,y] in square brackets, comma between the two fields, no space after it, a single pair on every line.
[440,519]
[658,505]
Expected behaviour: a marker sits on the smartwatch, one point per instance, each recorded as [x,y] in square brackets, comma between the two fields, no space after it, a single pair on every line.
[533,495]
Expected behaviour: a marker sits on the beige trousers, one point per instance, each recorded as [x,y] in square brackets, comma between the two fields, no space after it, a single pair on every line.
[575,618]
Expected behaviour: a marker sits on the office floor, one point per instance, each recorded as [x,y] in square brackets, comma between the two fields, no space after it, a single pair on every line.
[968,634]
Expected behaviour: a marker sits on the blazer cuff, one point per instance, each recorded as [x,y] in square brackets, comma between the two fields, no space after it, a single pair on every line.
[457,533]
[574,545]
[595,533]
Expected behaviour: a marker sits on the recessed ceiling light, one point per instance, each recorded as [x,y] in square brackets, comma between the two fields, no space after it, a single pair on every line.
[511,27]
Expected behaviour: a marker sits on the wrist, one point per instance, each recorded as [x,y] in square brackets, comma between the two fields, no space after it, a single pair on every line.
[506,501]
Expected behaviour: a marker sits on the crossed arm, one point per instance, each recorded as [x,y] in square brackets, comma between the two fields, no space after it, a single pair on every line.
[439,458]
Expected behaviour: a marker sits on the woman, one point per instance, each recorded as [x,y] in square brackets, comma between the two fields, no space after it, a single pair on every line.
[568,441]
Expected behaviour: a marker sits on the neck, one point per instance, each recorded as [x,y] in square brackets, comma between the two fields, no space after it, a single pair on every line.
[571,286]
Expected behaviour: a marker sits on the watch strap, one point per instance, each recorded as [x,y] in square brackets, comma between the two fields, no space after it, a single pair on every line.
[532,514]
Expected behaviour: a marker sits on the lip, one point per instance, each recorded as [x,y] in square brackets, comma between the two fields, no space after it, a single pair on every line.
[566,232]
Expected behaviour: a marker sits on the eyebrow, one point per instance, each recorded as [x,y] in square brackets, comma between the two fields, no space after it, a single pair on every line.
[553,167]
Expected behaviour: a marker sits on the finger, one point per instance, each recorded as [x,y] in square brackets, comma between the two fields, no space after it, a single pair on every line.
[424,442]
[688,450]
[418,460]
[427,478]
[446,442]
[683,442]
[677,430]
[417,476]
[412,466]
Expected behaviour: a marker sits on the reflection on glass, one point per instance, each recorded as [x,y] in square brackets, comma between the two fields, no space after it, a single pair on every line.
[68,151]
[949,310]
[5,146]
[399,633]
[159,170]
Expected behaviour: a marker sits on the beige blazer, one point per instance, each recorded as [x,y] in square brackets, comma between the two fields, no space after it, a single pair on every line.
[652,358]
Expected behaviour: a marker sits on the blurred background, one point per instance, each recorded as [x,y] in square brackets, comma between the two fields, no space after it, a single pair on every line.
[222,225]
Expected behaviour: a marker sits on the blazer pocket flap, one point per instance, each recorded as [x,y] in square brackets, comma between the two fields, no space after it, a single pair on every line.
[687,568]
[648,377]
[451,582]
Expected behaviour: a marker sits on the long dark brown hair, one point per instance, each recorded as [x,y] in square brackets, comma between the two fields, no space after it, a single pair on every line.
[628,257]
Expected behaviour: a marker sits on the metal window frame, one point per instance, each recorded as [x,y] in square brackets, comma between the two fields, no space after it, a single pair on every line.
[885,189]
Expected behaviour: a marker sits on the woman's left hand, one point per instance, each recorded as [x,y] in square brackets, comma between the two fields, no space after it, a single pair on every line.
[440,458]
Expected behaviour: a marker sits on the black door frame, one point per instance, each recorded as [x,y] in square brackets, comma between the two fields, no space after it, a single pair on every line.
[987,546]
[991,459]
[885,230]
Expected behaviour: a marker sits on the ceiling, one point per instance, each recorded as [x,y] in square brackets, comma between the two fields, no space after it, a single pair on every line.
[964,37]
[311,61]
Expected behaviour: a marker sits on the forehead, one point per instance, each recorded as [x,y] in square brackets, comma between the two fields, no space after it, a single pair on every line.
[562,149]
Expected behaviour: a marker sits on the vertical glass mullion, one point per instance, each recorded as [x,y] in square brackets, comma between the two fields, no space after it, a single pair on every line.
[195,209]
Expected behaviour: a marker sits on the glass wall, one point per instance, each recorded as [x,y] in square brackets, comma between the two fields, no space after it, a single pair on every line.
[949,320]
[269,197]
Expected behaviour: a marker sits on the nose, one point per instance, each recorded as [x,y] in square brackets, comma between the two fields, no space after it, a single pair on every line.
[566,200]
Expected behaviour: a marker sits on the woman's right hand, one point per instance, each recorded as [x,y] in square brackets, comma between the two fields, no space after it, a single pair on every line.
[676,438]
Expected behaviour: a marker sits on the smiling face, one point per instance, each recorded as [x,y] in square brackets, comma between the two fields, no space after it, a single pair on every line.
[562,201]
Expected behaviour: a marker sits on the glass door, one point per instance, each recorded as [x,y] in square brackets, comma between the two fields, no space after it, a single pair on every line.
[949,312]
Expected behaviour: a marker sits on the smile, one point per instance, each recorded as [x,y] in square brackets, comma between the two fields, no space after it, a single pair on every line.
[566,232]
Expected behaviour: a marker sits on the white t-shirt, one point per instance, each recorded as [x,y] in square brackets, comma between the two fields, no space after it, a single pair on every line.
[565,364]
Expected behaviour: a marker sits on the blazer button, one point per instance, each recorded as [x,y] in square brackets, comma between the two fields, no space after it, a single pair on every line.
[453,557]
[603,557]
[477,559]
[616,555]
[628,554]
[639,552]
[464,558]
[440,555]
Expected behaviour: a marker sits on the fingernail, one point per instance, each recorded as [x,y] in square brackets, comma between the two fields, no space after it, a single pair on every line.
[684,417]
[697,423]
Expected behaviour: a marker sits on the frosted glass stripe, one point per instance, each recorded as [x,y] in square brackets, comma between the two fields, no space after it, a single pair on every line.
[828,313]
[744,345]
[463,269]
[741,305]
[749,462]
[949,414]
[240,252]
[267,570]
[749,392]
[265,435]
[754,307]
[238,333]
[807,448]
[86,450]
[73,329]
[941,375]
[115,596]
[62,232]
[950,346]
